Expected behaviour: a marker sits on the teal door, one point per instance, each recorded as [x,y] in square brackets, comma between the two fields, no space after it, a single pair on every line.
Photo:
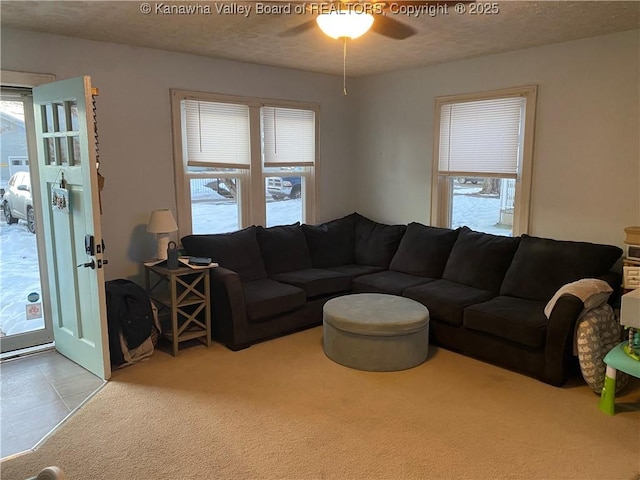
[68,185]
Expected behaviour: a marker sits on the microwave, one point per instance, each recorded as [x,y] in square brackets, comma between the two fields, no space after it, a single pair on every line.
[633,252]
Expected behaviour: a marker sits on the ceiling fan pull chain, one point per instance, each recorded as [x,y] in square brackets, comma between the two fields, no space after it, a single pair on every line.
[344,66]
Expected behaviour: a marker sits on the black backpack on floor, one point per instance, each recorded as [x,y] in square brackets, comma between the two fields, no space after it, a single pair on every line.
[128,311]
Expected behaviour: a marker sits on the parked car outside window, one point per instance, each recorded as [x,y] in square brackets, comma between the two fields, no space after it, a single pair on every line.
[17,203]
[284,187]
[473,180]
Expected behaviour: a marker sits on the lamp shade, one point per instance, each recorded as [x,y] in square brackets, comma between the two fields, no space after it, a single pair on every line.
[345,23]
[161,221]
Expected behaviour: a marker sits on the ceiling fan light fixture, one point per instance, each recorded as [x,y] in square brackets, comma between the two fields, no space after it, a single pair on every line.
[345,23]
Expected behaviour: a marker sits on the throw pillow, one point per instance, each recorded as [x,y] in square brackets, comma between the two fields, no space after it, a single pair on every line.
[283,248]
[331,243]
[424,250]
[479,259]
[376,243]
[542,265]
[237,251]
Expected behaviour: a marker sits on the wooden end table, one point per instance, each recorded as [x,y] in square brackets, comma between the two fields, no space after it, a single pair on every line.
[184,292]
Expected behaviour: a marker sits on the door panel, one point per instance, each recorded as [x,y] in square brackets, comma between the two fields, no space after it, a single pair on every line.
[65,133]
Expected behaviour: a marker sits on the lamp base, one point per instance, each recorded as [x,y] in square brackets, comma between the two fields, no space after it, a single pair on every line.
[163,244]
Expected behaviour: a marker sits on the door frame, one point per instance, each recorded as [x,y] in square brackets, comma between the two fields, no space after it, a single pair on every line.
[45,335]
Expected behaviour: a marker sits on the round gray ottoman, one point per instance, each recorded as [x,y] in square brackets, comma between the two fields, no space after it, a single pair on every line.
[375,332]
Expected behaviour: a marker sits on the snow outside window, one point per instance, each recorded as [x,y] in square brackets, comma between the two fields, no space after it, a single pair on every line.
[482,161]
[242,161]
[289,156]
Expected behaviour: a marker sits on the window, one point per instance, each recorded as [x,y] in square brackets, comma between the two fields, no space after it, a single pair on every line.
[242,161]
[482,161]
[289,146]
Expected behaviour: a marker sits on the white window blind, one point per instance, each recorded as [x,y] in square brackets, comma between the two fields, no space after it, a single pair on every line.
[481,137]
[216,134]
[288,137]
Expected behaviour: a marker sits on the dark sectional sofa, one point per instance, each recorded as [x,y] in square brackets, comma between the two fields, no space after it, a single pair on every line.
[485,293]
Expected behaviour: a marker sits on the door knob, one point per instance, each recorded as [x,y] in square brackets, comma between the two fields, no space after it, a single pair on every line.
[91,264]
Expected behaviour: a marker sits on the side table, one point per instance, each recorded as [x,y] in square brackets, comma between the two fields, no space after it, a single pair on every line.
[616,360]
[185,293]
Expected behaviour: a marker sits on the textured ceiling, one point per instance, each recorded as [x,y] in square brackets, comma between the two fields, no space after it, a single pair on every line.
[257,38]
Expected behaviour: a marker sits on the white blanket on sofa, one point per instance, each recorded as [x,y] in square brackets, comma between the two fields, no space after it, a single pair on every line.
[597,330]
[592,291]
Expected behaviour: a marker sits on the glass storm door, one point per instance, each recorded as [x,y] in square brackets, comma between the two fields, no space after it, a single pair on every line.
[24,307]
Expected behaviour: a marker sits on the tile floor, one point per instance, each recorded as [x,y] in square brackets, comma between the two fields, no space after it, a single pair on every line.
[37,392]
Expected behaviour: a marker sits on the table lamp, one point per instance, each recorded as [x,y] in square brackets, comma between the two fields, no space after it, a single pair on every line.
[161,223]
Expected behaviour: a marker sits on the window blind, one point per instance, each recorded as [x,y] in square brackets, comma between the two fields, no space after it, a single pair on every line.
[288,137]
[481,137]
[216,134]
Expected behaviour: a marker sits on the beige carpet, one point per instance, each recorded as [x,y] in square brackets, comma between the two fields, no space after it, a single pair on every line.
[281,409]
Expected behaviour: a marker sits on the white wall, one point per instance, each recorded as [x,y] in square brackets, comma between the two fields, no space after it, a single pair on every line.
[134,124]
[586,170]
[586,160]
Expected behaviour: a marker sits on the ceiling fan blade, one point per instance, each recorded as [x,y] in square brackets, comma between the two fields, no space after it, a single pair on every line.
[303,27]
[391,28]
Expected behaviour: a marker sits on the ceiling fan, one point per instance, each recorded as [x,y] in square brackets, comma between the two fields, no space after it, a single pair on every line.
[381,12]
[349,19]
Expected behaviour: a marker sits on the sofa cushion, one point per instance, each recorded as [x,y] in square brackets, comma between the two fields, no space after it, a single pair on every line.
[376,243]
[515,319]
[265,298]
[446,300]
[389,281]
[237,251]
[354,271]
[315,281]
[284,248]
[424,250]
[331,243]
[541,266]
[480,259]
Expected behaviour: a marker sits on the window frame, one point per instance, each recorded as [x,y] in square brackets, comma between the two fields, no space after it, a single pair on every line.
[441,185]
[251,188]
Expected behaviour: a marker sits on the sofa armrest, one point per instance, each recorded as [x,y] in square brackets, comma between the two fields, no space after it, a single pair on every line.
[559,349]
[614,279]
[560,336]
[229,319]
